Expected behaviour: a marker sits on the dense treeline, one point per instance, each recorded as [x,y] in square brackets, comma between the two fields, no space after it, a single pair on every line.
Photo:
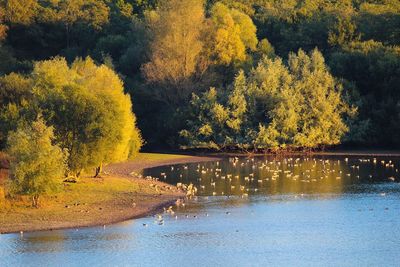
[282,73]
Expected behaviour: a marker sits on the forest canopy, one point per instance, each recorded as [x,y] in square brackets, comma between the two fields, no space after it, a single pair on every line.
[263,74]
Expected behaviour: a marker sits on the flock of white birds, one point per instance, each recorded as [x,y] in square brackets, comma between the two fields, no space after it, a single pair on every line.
[242,173]
[240,176]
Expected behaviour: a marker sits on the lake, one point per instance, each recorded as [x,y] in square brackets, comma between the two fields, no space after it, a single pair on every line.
[263,211]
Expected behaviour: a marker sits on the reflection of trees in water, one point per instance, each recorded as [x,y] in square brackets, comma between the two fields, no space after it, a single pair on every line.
[41,242]
[67,240]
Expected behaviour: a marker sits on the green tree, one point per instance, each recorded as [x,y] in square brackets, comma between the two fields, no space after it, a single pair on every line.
[219,120]
[278,106]
[374,69]
[15,103]
[120,137]
[310,113]
[37,165]
[91,12]
[344,32]
[91,115]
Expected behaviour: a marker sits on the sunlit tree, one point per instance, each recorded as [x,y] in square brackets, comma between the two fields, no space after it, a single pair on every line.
[234,34]
[15,106]
[20,11]
[37,165]
[176,50]
[278,106]
[91,114]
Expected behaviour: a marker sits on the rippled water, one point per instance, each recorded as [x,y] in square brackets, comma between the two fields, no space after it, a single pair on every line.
[250,212]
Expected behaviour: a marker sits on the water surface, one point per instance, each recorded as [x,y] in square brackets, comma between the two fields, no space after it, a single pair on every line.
[321,211]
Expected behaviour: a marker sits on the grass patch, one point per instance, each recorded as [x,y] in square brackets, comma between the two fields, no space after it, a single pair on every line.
[90,201]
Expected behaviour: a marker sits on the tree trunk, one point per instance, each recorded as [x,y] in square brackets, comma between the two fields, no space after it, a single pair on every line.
[79,173]
[35,201]
[99,169]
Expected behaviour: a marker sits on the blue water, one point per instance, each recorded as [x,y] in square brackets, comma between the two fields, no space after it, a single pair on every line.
[352,221]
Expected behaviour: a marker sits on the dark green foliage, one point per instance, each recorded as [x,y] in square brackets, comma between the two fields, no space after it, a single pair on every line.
[375,70]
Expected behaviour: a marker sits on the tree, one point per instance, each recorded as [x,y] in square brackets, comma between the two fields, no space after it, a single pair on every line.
[311,109]
[3,27]
[120,137]
[264,48]
[176,59]
[234,33]
[15,98]
[37,165]
[278,106]
[92,12]
[219,120]
[343,33]
[374,69]
[91,115]
[20,11]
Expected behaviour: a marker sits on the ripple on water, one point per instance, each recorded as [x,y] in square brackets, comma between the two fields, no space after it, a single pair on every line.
[350,217]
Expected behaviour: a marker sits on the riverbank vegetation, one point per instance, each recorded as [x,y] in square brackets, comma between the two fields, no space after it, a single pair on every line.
[251,75]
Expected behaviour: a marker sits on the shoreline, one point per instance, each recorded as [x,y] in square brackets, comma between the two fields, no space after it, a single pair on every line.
[352,153]
[147,199]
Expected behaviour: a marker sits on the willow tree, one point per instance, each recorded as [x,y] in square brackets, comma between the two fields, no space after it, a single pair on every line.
[310,107]
[176,57]
[91,114]
[122,139]
[37,165]
[277,106]
[219,120]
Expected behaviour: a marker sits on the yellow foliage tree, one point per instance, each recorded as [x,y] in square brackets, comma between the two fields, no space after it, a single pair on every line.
[234,32]
[91,114]
[176,50]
